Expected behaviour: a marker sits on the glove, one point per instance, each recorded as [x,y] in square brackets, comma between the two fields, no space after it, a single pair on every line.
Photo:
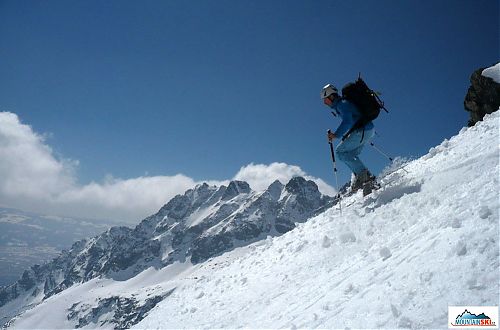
[331,136]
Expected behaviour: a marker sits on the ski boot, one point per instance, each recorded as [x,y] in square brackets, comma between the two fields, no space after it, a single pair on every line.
[366,181]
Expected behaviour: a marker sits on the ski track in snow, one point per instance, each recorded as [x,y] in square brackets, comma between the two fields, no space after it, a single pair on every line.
[395,259]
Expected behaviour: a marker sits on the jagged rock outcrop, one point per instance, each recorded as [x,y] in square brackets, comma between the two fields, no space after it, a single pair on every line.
[200,224]
[126,311]
[482,97]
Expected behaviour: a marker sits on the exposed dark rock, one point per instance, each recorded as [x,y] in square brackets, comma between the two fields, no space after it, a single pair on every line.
[127,311]
[235,188]
[284,225]
[206,247]
[483,97]
[27,281]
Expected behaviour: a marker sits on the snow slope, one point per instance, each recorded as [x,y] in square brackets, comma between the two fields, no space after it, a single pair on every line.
[395,259]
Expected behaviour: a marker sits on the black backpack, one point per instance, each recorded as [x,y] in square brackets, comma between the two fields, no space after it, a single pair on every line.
[365,99]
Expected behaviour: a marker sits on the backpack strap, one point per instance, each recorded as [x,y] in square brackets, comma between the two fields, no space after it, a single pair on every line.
[359,124]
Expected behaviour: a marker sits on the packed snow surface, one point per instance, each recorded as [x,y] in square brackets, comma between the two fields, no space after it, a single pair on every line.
[493,72]
[428,239]
[399,258]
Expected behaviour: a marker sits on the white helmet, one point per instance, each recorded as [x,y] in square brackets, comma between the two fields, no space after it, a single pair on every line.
[328,90]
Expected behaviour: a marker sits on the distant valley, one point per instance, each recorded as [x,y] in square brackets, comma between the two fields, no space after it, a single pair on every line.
[27,238]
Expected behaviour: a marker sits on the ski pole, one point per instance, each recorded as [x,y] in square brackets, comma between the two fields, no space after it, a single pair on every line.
[380,151]
[335,172]
[384,154]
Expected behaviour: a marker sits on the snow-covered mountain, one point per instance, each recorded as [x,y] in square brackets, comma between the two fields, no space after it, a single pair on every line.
[191,228]
[428,239]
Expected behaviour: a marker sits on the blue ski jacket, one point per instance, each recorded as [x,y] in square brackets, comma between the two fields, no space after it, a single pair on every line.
[349,114]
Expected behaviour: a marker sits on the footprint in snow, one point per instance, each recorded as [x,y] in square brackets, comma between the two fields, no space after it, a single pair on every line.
[326,242]
[385,253]
[461,248]
[484,212]
[347,237]
[350,289]
[456,223]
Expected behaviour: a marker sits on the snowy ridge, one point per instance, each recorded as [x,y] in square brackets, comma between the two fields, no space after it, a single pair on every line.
[204,222]
[395,259]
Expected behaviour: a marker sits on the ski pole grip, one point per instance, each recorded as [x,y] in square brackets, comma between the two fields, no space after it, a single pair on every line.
[332,153]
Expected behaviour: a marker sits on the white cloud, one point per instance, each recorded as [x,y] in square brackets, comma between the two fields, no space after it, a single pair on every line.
[27,166]
[260,176]
[120,199]
[33,178]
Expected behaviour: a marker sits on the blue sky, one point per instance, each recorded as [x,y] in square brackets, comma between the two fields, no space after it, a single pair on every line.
[202,88]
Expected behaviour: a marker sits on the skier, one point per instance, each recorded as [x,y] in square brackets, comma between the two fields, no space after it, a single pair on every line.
[352,140]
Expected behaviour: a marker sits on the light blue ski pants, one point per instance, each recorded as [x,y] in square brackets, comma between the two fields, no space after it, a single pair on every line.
[349,150]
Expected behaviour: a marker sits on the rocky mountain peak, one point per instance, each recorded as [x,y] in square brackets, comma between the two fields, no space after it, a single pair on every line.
[236,188]
[300,186]
[482,97]
[274,190]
